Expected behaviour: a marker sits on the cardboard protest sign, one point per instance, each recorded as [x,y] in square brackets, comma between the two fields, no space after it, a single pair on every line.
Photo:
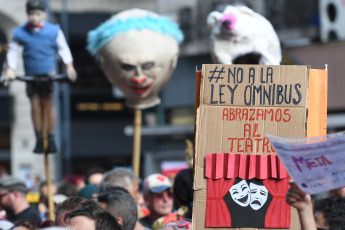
[239,182]
[316,164]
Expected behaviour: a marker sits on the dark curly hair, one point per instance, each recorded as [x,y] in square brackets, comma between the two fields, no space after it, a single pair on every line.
[333,209]
[183,189]
[104,220]
[69,205]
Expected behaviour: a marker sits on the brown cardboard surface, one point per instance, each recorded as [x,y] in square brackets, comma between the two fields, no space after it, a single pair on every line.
[245,85]
[225,120]
[197,103]
[214,133]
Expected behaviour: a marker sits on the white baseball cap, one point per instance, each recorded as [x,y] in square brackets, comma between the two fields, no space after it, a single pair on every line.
[156,183]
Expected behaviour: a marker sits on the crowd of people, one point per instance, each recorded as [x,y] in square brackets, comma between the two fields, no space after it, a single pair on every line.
[117,199]
[114,199]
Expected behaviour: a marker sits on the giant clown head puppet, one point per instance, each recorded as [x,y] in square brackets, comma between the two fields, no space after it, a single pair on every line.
[137,50]
[241,36]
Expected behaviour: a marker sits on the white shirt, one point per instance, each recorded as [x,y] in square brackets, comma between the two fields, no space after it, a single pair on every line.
[62,49]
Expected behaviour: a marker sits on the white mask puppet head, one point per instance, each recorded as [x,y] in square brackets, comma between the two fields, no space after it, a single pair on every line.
[241,36]
[258,194]
[240,192]
[137,51]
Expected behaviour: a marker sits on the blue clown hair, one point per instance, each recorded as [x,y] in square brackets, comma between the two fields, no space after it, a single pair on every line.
[103,34]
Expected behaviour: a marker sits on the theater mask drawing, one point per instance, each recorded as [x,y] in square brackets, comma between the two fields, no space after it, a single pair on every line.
[258,195]
[240,193]
[248,204]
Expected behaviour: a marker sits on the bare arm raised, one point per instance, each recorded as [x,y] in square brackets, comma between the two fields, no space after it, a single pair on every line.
[302,202]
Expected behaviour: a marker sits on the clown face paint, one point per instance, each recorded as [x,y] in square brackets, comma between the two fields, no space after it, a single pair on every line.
[258,196]
[139,77]
[240,193]
[139,63]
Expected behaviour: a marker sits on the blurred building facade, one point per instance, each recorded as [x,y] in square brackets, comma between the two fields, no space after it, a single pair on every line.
[94,125]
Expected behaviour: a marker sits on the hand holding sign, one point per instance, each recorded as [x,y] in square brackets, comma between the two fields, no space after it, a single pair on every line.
[302,202]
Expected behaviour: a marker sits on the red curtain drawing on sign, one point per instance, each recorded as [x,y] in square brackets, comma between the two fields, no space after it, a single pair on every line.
[229,165]
[278,213]
[217,213]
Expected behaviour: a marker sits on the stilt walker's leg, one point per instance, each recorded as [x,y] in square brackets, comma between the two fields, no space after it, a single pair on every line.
[137,141]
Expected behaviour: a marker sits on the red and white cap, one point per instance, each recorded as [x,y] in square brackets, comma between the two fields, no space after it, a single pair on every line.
[156,183]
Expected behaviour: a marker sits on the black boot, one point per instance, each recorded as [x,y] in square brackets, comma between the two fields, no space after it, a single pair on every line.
[51,144]
[39,142]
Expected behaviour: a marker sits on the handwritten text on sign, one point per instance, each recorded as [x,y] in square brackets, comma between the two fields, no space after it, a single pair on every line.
[259,86]
[253,139]
[242,129]
[315,164]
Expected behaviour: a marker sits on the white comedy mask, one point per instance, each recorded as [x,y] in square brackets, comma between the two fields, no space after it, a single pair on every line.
[240,193]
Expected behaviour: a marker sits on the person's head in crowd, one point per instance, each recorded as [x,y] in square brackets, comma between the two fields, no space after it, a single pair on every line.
[91,217]
[183,190]
[24,225]
[158,197]
[338,192]
[94,176]
[46,223]
[43,206]
[59,198]
[77,179]
[142,206]
[69,205]
[183,194]
[121,177]
[330,213]
[13,200]
[67,188]
[124,178]
[44,188]
[121,205]
[90,191]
